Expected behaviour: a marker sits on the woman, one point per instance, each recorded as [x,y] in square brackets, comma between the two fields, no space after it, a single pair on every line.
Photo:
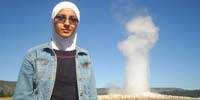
[58,70]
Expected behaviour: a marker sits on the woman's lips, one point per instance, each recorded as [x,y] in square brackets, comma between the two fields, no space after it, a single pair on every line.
[65,30]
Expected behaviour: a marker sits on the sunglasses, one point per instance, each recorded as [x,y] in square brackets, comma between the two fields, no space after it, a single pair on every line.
[62,18]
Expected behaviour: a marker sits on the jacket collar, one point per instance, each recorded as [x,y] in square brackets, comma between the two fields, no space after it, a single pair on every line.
[79,51]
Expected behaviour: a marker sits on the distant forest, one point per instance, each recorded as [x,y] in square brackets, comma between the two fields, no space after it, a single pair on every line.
[7,90]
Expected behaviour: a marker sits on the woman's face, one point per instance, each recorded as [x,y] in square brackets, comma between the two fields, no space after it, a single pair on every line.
[65,23]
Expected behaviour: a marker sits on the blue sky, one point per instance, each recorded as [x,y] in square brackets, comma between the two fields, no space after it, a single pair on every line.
[174,61]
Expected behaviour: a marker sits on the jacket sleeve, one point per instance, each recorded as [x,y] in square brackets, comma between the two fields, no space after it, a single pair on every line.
[24,86]
[93,90]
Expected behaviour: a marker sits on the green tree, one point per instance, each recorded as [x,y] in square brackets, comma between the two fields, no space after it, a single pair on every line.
[10,93]
[2,94]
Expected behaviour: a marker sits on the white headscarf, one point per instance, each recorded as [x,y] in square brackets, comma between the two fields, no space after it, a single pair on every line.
[58,42]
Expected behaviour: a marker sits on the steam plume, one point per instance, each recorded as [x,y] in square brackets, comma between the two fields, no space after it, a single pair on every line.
[142,36]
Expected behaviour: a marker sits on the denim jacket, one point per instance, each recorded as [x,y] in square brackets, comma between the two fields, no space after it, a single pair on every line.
[38,71]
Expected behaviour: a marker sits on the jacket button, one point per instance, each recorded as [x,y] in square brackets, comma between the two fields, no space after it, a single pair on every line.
[80,79]
[81,93]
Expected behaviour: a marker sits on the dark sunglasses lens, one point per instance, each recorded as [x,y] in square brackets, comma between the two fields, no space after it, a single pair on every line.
[73,20]
[61,18]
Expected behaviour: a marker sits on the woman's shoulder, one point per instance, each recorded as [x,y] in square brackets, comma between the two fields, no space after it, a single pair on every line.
[82,50]
[39,47]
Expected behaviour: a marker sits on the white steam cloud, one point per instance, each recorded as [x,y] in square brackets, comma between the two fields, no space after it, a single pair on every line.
[142,36]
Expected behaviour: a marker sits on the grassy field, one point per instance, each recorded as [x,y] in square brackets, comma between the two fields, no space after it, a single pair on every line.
[128,98]
[6,98]
[147,99]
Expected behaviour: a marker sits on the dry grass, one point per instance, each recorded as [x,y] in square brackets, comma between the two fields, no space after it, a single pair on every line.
[147,99]
[6,98]
[112,97]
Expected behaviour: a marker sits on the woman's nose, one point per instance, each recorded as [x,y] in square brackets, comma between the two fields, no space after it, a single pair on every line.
[66,23]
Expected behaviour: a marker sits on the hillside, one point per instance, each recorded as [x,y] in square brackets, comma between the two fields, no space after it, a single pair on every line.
[165,91]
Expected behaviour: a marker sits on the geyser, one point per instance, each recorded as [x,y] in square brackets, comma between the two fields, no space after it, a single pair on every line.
[142,36]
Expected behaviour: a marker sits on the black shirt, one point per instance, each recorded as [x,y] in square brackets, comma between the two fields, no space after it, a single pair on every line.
[65,87]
